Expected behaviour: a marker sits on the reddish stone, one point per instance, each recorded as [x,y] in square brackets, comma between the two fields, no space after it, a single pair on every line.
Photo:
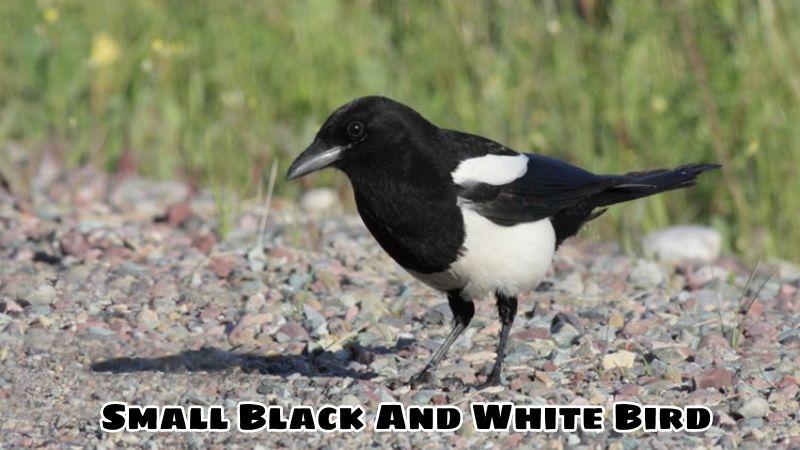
[787,380]
[756,310]
[787,291]
[294,331]
[517,383]
[74,243]
[514,440]
[628,390]
[439,399]
[713,340]
[351,313]
[532,334]
[645,380]
[116,252]
[210,312]
[777,417]
[204,242]
[282,252]
[549,366]
[222,266]
[638,327]
[713,378]
[178,214]
[765,330]
[788,391]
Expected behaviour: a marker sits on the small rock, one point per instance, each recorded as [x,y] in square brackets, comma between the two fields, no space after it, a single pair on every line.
[74,243]
[319,200]
[621,359]
[178,213]
[753,407]
[646,273]
[683,242]
[314,320]
[147,319]
[713,378]
[204,242]
[713,341]
[222,266]
[100,331]
[44,294]
[299,280]
[41,310]
[566,336]
[545,379]
[350,400]
[572,284]
[257,259]
[291,331]
[563,329]
[435,316]
[616,320]
[255,303]
[532,334]
[705,275]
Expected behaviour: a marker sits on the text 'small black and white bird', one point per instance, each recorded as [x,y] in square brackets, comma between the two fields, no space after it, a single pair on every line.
[462,213]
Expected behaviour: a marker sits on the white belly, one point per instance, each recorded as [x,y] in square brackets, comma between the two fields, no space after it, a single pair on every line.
[510,259]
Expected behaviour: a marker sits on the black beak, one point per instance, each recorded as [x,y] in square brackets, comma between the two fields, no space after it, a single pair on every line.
[314,158]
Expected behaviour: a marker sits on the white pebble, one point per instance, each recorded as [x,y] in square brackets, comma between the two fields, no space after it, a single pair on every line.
[683,242]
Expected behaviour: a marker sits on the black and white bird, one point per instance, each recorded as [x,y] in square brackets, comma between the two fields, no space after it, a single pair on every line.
[462,213]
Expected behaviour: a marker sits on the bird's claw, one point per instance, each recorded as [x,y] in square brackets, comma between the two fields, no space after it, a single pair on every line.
[420,378]
[491,381]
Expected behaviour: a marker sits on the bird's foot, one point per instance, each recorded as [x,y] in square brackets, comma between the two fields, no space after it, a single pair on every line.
[422,377]
[492,380]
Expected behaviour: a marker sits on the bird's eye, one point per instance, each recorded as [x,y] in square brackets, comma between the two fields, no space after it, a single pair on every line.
[355,129]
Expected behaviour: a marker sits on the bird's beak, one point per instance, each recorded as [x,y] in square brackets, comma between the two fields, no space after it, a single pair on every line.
[315,157]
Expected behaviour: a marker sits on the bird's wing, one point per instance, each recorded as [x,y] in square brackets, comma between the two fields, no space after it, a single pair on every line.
[510,189]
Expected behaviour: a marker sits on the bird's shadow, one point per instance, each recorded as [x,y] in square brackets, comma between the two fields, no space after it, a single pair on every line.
[213,359]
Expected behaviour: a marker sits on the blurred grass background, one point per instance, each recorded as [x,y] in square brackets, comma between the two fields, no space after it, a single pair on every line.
[215,91]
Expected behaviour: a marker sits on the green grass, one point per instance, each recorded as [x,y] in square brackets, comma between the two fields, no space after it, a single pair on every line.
[214,91]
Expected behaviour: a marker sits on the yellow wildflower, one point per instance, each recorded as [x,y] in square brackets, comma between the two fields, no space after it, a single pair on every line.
[50,15]
[157,45]
[105,50]
[659,104]
[753,148]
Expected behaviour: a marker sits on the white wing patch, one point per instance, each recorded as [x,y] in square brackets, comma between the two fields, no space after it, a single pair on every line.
[490,169]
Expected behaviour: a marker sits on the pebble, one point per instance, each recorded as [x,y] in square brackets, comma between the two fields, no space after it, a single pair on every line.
[147,319]
[563,330]
[74,243]
[566,336]
[646,273]
[44,294]
[314,319]
[622,359]
[319,200]
[717,377]
[178,214]
[753,407]
[687,242]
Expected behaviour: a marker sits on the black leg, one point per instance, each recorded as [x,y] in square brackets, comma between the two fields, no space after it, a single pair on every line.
[507,307]
[463,311]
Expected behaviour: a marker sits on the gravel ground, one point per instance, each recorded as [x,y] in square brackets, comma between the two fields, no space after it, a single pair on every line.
[118,289]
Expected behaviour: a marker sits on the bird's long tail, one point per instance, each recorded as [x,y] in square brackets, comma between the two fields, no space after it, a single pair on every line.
[641,184]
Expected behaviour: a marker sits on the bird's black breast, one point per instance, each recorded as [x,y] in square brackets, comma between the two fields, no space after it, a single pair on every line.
[416,222]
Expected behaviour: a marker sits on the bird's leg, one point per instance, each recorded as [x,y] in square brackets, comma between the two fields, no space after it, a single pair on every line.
[463,311]
[507,307]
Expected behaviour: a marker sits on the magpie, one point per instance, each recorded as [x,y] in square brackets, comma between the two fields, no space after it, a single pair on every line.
[464,214]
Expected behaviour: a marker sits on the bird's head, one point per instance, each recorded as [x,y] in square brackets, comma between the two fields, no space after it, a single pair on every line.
[366,129]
